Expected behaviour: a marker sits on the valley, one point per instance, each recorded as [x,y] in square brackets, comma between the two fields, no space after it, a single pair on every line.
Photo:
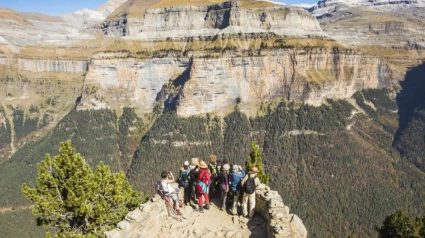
[332,94]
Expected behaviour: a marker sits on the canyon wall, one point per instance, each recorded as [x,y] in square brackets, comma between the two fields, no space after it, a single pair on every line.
[44,65]
[204,83]
[233,16]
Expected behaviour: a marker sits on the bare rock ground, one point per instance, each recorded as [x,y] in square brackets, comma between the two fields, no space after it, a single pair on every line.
[152,220]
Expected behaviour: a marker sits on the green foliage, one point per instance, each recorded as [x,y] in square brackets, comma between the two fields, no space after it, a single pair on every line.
[76,200]
[5,129]
[23,125]
[93,134]
[255,160]
[16,224]
[402,225]
[411,142]
[236,137]
[126,122]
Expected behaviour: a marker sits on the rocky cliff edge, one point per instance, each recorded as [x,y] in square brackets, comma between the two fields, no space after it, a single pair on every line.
[273,219]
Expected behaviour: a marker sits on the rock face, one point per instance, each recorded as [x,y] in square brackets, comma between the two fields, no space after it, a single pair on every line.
[326,6]
[205,84]
[37,66]
[227,17]
[273,220]
[404,28]
[44,65]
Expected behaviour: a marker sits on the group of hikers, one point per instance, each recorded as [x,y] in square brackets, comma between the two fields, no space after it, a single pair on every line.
[201,182]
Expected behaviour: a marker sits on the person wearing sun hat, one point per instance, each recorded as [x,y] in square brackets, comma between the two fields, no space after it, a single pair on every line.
[202,182]
[249,185]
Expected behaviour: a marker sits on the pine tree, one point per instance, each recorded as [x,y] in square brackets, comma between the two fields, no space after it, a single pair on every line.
[77,201]
[255,160]
[401,225]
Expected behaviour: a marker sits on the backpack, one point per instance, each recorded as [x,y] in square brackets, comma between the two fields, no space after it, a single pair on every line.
[204,176]
[160,189]
[201,187]
[249,185]
[212,168]
[184,179]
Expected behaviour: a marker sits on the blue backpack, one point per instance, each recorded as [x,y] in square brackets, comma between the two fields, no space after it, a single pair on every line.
[201,187]
[184,179]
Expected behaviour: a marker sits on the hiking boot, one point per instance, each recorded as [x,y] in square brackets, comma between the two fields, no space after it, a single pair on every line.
[201,210]
[207,206]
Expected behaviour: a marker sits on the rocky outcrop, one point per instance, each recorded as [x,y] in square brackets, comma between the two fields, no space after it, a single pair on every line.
[44,65]
[208,84]
[129,79]
[201,21]
[326,6]
[41,65]
[274,220]
[281,223]
[359,26]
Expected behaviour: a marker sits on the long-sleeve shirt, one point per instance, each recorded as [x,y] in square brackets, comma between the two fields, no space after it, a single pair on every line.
[224,178]
[235,180]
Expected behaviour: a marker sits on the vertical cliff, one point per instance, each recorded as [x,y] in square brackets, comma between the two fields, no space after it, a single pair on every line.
[205,82]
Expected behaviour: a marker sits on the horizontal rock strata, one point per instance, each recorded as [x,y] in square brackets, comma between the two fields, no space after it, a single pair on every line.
[207,84]
[227,17]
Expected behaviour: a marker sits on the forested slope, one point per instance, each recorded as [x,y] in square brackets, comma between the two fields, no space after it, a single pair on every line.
[335,165]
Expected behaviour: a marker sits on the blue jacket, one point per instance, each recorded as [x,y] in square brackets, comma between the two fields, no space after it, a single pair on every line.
[235,180]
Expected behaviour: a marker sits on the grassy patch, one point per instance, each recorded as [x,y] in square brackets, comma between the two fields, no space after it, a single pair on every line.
[319,76]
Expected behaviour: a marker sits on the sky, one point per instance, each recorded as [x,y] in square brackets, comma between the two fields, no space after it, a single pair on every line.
[57,7]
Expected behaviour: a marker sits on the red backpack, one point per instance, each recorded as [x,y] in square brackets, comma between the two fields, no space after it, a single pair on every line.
[204,176]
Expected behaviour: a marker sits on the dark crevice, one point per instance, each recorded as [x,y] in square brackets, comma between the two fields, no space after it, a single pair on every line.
[411,97]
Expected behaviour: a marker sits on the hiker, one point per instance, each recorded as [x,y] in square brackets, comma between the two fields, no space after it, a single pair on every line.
[212,168]
[184,182]
[202,182]
[249,185]
[223,162]
[236,177]
[193,174]
[169,191]
[224,185]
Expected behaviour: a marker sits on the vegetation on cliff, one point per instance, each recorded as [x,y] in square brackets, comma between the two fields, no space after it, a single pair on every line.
[255,160]
[77,201]
[402,225]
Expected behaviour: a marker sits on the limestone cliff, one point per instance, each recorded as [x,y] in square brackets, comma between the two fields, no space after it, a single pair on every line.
[205,83]
[232,17]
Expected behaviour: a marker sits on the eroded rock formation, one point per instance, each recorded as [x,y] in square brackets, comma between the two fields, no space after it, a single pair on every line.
[209,84]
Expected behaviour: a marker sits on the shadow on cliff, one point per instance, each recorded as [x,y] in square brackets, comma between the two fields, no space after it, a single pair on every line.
[411,97]
[172,102]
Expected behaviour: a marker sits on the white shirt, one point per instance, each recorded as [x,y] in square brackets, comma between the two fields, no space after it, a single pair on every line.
[167,187]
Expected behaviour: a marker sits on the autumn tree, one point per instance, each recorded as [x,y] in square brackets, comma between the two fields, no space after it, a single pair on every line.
[255,160]
[76,201]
